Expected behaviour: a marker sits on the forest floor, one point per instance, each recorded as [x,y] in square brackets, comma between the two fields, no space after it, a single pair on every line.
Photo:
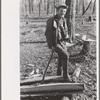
[34,54]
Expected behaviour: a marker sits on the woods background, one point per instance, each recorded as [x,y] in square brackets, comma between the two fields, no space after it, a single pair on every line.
[34,52]
[45,8]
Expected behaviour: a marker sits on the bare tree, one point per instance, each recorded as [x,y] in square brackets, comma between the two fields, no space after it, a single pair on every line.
[87,7]
[40,7]
[54,7]
[77,1]
[71,18]
[48,6]
[30,6]
[83,6]
[94,7]
[45,4]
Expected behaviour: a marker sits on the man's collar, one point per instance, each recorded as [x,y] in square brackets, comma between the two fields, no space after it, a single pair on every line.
[56,18]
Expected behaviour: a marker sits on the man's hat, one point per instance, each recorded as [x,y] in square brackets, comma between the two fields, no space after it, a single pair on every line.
[62,5]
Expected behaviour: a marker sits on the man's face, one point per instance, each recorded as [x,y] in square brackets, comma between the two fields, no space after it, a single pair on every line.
[62,12]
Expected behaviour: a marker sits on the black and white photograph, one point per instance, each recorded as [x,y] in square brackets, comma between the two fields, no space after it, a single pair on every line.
[58,49]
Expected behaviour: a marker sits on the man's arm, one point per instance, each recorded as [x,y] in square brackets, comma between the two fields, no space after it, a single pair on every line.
[48,33]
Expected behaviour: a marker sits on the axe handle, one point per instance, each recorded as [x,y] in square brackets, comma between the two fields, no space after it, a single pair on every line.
[47,66]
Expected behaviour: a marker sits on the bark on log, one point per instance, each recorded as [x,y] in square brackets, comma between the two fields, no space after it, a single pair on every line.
[68,88]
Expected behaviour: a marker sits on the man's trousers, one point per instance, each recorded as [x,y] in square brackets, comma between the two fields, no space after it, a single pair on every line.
[63,60]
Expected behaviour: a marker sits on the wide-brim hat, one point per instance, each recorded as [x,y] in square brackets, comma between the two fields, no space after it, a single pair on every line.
[62,5]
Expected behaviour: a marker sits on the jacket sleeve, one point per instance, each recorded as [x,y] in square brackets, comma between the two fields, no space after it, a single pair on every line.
[49,33]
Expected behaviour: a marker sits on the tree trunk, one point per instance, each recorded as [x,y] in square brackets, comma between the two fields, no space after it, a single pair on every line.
[40,8]
[94,7]
[45,4]
[30,6]
[48,7]
[71,18]
[77,6]
[54,7]
[83,7]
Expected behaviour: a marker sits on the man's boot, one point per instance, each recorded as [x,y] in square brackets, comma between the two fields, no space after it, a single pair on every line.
[65,72]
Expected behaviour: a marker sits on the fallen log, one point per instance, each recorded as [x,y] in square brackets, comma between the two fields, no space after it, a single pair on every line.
[52,89]
[25,97]
[48,79]
[31,42]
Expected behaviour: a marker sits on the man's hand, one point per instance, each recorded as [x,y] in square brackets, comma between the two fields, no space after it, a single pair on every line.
[69,44]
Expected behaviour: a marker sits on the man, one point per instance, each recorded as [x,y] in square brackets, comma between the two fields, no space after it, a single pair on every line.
[57,36]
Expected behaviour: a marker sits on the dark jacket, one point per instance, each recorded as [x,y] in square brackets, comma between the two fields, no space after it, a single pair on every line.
[52,31]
